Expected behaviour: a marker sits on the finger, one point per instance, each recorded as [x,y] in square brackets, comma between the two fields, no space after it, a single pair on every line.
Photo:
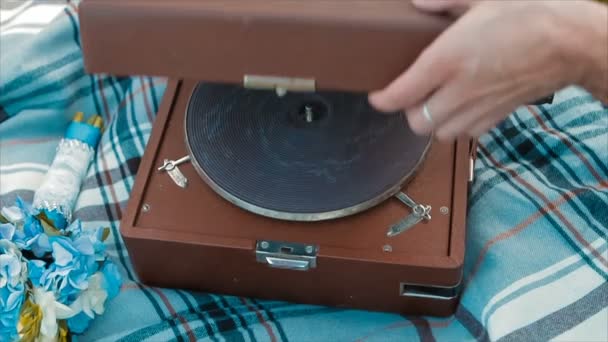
[475,120]
[442,5]
[440,106]
[450,131]
[420,122]
[459,124]
[479,116]
[426,74]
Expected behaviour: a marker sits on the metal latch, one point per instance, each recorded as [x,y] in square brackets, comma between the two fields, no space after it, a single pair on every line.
[432,292]
[280,84]
[287,255]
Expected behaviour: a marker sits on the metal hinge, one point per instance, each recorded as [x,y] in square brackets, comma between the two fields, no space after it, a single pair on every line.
[280,84]
[287,255]
[472,159]
[471,169]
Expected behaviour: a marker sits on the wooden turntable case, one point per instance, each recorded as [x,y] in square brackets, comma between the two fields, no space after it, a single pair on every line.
[191,238]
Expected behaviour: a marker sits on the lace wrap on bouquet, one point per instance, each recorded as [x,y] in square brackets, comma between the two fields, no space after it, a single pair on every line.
[57,195]
[61,186]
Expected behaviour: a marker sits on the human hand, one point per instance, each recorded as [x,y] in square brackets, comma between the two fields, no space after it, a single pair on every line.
[496,57]
[454,8]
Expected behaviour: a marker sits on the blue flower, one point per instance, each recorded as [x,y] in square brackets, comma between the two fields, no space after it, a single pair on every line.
[112,279]
[74,263]
[96,237]
[103,285]
[75,228]
[56,277]
[24,229]
[36,269]
[71,268]
[7,231]
[79,323]
[12,288]
[88,241]
[25,207]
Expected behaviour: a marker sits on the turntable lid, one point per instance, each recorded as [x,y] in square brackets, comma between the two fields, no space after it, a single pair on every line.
[337,44]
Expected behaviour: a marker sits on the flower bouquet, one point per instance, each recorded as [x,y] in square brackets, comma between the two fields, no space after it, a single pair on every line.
[55,277]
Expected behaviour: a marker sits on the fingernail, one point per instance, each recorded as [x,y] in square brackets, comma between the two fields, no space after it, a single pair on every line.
[375,100]
[417,123]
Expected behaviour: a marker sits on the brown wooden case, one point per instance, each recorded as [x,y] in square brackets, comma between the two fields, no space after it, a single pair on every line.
[192,238]
[352,45]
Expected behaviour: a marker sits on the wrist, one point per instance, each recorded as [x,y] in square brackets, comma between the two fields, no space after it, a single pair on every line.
[583,43]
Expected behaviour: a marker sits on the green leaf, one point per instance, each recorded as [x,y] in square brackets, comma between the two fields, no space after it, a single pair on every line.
[105,234]
[3,219]
[64,332]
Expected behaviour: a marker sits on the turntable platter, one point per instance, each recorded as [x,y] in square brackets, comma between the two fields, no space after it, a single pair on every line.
[303,156]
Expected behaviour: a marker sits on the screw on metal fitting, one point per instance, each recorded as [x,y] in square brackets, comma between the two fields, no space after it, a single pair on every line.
[145,208]
[444,210]
[264,244]
[387,248]
[309,249]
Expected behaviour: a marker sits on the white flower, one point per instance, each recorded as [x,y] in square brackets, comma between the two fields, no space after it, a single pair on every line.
[13,269]
[93,298]
[13,272]
[51,312]
[12,214]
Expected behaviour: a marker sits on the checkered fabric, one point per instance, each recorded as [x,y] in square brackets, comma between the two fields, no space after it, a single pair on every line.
[537,254]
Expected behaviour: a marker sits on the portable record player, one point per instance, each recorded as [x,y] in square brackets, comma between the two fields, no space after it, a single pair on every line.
[267,173]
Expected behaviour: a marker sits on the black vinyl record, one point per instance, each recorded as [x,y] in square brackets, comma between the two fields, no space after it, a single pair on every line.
[302,156]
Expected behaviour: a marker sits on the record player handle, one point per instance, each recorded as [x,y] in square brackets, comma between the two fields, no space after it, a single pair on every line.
[419,212]
[171,164]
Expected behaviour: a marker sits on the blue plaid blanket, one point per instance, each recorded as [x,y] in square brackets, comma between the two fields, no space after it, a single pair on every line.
[537,254]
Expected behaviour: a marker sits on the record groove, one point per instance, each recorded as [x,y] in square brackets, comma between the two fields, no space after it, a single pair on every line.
[260,152]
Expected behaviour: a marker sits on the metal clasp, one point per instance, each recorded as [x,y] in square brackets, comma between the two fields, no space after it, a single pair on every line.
[280,84]
[287,255]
